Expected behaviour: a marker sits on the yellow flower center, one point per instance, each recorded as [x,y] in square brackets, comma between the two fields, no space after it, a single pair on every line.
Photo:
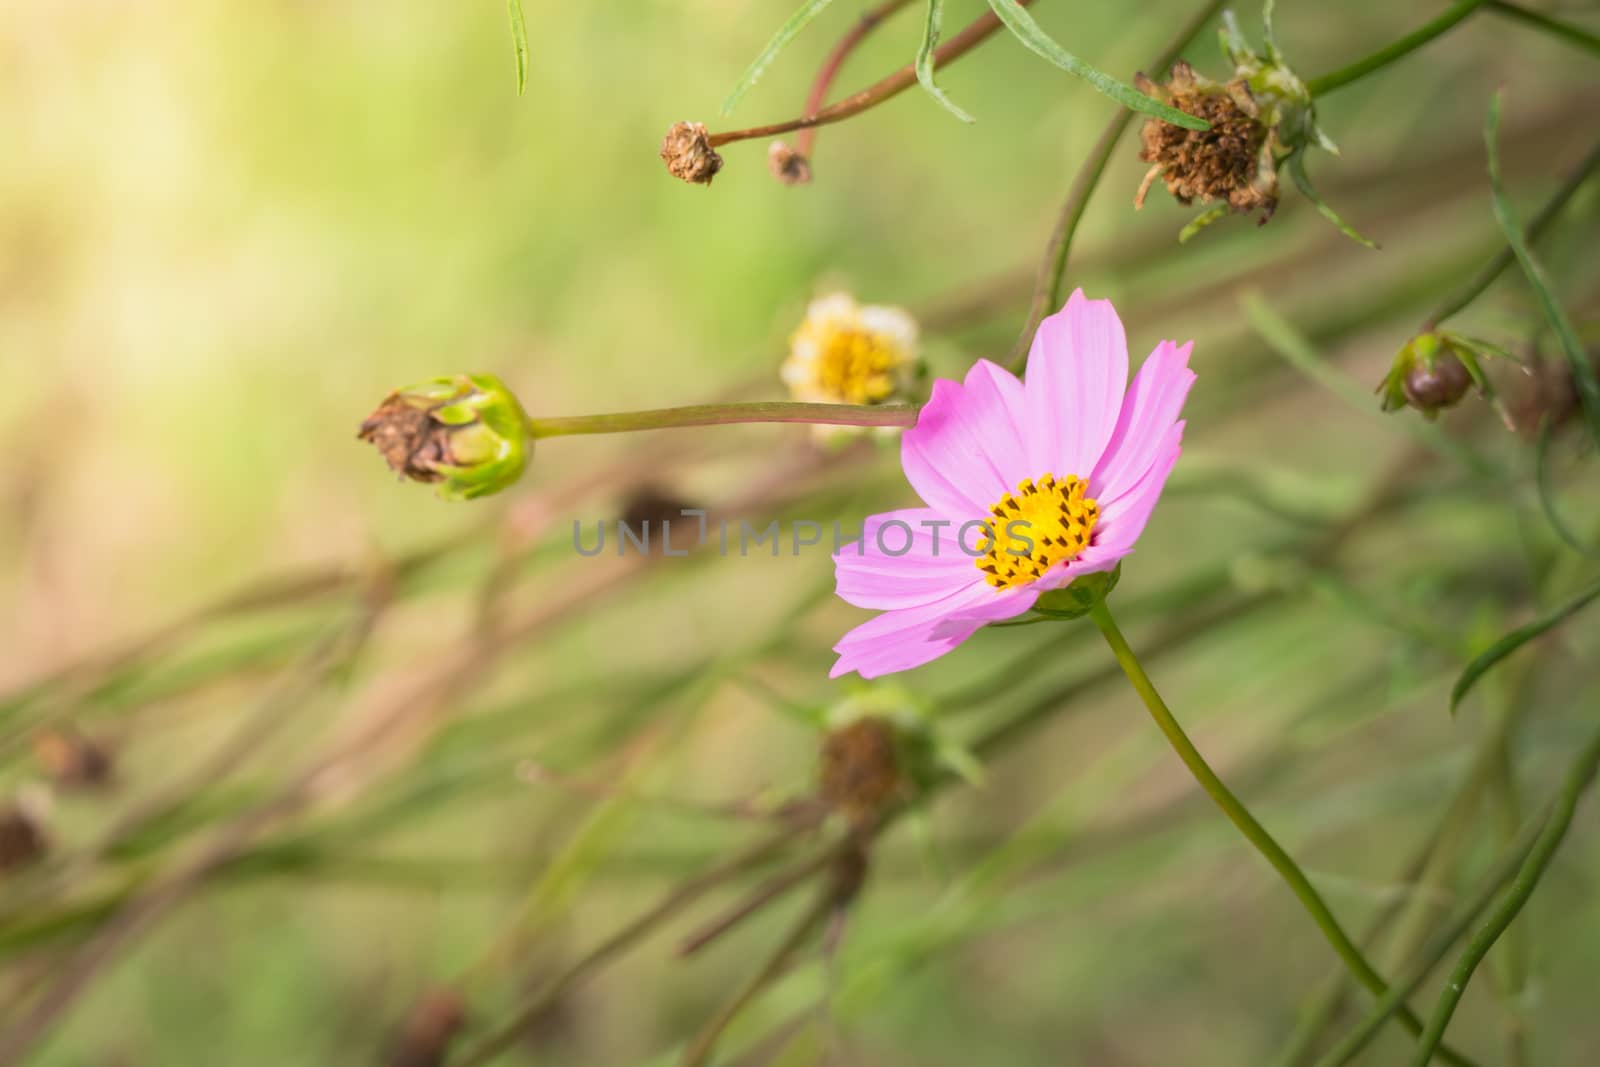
[856,366]
[1039,526]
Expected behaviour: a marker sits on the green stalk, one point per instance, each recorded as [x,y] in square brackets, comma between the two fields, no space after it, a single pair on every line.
[1474,286]
[1253,831]
[1394,50]
[1573,35]
[1532,870]
[902,415]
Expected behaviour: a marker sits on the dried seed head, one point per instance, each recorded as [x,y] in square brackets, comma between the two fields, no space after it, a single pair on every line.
[22,837]
[688,153]
[1231,162]
[860,769]
[72,760]
[433,1023]
[465,434]
[787,165]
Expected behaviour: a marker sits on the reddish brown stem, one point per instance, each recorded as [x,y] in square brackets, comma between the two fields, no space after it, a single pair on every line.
[878,92]
[835,63]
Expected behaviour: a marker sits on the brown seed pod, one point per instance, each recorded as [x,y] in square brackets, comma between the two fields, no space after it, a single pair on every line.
[72,760]
[22,838]
[788,165]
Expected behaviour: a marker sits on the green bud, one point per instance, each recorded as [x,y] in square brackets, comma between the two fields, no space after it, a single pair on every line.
[465,434]
[1079,598]
[1428,375]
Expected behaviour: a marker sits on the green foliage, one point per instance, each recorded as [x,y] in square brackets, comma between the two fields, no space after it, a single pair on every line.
[930,41]
[758,66]
[1032,35]
[1514,640]
[519,41]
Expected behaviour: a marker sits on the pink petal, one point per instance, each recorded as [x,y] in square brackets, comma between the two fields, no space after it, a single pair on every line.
[909,637]
[1151,407]
[933,567]
[1077,370]
[1123,520]
[965,443]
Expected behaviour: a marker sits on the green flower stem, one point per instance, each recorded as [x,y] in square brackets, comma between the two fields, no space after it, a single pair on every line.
[903,415]
[1052,273]
[1475,286]
[1567,32]
[1532,870]
[1253,831]
[1394,50]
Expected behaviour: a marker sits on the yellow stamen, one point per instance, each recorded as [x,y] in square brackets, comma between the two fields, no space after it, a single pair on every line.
[1039,527]
[856,366]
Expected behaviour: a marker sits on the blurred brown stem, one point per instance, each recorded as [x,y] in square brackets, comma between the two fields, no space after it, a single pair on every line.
[805,143]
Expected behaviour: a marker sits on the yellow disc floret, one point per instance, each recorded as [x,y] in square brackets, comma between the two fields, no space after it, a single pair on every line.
[1041,525]
[845,353]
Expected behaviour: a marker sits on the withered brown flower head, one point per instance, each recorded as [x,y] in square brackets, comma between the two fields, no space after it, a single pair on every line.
[1230,162]
[788,165]
[860,769]
[688,153]
[411,442]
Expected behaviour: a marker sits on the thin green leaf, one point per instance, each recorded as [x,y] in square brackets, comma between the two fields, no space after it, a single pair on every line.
[1583,375]
[519,39]
[1547,495]
[786,33]
[1020,23]
[1302,181]
[1269,34]
[1515,640]
[930,41]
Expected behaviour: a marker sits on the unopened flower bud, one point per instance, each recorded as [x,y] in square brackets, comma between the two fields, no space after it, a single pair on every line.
[1427,375]
[859,772]
[72,760]
[434,1022]
[788,165]
[467,434]
[23,840]
[688,153]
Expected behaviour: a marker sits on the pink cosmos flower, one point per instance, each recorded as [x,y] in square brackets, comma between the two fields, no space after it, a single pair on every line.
[1027,487]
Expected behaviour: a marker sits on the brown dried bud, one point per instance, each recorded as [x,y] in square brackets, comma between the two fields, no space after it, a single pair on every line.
[860,769]
[22,838]
[689,155]
[787,165]
[72,760]
[433,1023]
[1230,162]
[1437,384]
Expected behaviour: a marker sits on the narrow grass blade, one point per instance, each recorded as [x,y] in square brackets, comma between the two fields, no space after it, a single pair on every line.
[930,41]
[1547,495]
[1515,640]
[1302,181]
[519,40]
[1583,374]
[786,33]
[1020,23]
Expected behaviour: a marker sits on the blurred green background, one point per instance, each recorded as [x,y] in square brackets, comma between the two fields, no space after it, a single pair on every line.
[227,229]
